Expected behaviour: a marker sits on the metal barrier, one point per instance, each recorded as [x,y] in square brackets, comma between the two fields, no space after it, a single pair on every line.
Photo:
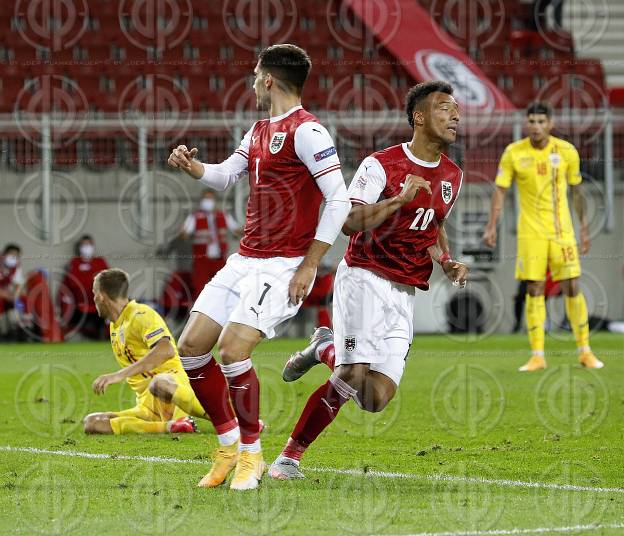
[46,142]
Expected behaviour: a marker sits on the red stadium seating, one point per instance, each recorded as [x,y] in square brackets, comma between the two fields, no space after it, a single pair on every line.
[337,51]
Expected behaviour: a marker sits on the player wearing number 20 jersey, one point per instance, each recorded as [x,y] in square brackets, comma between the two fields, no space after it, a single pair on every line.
[401,197]
[397,249]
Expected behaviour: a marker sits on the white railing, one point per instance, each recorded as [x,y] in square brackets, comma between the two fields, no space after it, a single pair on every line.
[598,134]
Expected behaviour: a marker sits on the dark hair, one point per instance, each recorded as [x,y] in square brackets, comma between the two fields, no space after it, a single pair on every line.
[288,63]
[539,108]
[113,282]
[417,94]
[11,247]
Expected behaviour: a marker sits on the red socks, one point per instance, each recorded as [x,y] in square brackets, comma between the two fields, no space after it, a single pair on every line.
[211,389]
[245,396]
[327,355]
[320,410]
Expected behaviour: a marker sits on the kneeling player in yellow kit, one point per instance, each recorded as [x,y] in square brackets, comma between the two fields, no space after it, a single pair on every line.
[150,364]
[543,167]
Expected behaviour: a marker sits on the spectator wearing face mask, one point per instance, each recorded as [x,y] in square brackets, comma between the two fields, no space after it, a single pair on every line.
[11,277]
[207,228]
[76,297]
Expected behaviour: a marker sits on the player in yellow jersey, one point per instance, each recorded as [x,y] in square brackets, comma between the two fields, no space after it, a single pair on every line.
[150,363]
[543,167]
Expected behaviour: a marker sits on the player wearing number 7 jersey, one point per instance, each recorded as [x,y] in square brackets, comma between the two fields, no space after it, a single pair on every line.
[292,165]
[401,196]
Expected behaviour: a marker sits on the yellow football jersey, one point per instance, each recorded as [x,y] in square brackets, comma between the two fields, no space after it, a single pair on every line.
[542,176]
[135,332]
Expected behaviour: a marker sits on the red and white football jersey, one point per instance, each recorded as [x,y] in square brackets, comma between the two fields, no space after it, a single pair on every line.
[397,249]
[285,156]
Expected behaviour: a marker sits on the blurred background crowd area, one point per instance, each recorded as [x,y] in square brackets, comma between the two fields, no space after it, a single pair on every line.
[93,96]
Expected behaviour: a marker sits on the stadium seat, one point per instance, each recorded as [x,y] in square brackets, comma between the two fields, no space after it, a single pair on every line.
[616,96]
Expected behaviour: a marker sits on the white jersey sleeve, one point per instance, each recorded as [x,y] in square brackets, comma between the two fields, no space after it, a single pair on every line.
[368,182]
[221,176]
[315,148]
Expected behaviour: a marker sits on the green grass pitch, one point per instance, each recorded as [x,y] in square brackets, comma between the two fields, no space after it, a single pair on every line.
[469,445]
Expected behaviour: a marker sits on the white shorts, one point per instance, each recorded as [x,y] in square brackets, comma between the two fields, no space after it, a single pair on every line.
[250,291]
[373,321]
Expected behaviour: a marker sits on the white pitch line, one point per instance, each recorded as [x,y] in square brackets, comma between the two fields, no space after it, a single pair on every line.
[355,472]
[505,532]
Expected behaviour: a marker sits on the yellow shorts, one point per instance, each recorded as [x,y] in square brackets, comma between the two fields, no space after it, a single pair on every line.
[537,255]
[150,408]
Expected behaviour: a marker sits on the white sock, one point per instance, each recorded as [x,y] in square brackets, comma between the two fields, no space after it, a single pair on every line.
[320,348]
[584,349]
[229,438]
[250,447]
[538,353]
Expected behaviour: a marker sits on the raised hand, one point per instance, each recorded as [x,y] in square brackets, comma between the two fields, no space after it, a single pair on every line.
[412,184]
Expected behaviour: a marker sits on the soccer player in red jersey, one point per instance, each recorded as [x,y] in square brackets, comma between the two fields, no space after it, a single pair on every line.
[292,165]
[401,197]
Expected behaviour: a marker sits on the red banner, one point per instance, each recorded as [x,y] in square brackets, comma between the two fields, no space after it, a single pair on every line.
[427,52]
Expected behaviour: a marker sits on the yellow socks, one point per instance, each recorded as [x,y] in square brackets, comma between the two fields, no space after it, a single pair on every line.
[132,425]
[184,397]
[535,310]
[576,309]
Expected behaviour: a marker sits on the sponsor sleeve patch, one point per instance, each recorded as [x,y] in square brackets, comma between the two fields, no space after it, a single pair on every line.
[325,153]
[154,333]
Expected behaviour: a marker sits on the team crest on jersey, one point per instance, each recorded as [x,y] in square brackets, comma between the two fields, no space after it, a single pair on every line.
[555,159]
[277,142]
[350,344]
[447,192]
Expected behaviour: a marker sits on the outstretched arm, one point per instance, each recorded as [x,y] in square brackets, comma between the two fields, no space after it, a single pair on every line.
[216,176]
[159,353]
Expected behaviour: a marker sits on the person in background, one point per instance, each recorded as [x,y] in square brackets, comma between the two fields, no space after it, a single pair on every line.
[11,283]
[75,294]
[207,228]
